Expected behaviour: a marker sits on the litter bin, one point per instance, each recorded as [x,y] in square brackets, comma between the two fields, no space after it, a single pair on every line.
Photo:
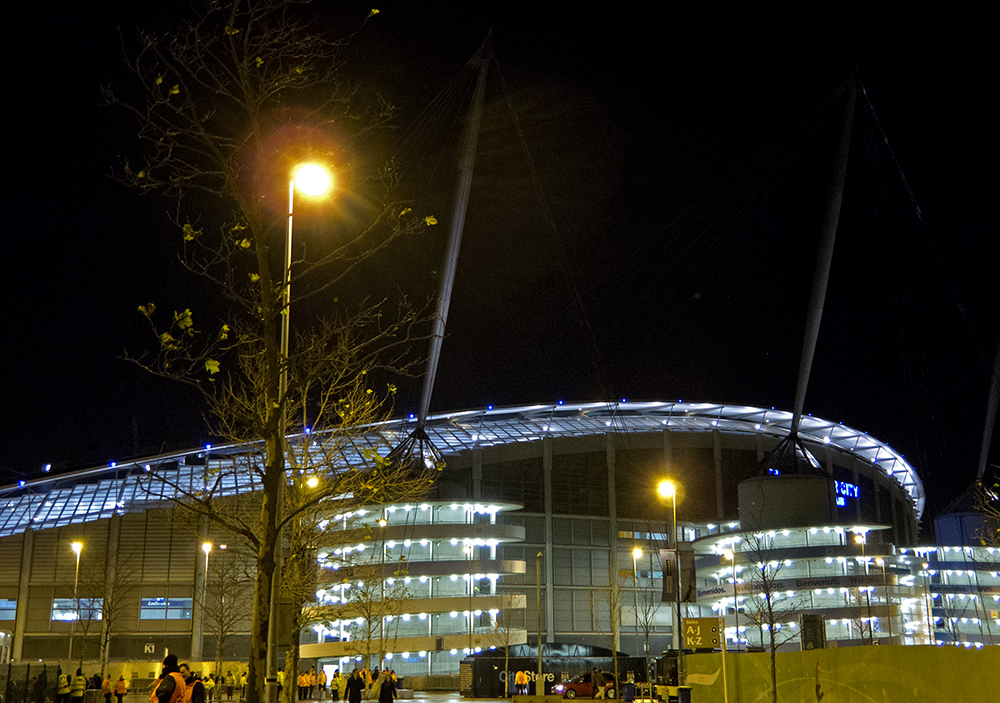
[628,692]
[683,694]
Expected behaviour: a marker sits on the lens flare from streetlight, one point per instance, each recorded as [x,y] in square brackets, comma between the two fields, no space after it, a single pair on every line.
[77,547]
[667,489]
[313,180]
[206,547]
[312,482]
[637,553]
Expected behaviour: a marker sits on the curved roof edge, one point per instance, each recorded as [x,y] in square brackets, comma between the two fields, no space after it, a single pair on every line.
[52,501]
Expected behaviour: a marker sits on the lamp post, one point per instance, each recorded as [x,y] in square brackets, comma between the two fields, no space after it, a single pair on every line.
[77,547]
[207,548]
[538,607]
[731,555]
[885,587]
[636,555]
[862,540]
[312,180]
[927,602]
[668,489]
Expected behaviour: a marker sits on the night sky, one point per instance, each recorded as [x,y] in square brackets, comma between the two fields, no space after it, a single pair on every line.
[681,158]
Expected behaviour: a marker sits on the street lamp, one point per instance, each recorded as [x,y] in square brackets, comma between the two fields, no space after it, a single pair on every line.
[77,547]
[314,181]
[730,555]
[862,540]
[636,556]
[668,489]
[885,587]
[539,682]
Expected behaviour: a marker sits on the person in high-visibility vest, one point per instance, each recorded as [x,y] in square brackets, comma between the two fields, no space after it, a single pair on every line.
[194,689]
[170,687]
[121,688]
[78,686]
[230,682]
[209,683]
[62,691]
[106,686]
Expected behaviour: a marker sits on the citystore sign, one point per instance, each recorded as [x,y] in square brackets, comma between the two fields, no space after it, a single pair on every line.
[813,583]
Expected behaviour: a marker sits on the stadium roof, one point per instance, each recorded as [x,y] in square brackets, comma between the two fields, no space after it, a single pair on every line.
[102,491]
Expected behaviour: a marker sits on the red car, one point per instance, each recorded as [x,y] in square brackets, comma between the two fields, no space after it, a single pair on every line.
[581,686]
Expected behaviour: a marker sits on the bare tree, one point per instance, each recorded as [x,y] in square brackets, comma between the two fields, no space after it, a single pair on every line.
[769,605]
[228,591]
[647,610]
[613,595]
[225,105]
[507,628]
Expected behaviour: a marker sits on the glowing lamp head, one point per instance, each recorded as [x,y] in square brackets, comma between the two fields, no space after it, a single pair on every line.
[206,547]
[312,482]
[636,553]
[77,547]
[667,489]
[728,554]
[313,180]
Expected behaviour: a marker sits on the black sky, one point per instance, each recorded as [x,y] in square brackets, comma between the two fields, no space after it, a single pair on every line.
[638,121]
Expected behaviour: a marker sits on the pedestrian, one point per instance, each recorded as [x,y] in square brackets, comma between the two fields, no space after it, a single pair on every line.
[170,687]
[78,686]
[106,688]
[121,688]
[230,684]
[355,687]
[62,689]
[195,689]
[597,679]
[41,684]
[281,682]
[209,683]
[335,685]
[385,687]
[243,686]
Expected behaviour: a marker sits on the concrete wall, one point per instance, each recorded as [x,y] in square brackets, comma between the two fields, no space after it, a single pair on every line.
[884,674]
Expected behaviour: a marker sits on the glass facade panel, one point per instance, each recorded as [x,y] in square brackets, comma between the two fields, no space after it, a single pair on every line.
[165,609]
[65,609]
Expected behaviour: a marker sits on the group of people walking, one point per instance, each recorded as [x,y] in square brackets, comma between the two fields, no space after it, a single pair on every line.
[178,684]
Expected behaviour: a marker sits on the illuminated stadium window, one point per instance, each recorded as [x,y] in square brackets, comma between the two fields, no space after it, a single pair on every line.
[66,609]
[165,608]
[8,609]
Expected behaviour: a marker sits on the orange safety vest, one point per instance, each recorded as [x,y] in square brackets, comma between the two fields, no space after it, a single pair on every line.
[179,688]
[121,687]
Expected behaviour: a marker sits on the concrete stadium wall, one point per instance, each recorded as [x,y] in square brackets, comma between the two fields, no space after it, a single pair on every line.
[883,674]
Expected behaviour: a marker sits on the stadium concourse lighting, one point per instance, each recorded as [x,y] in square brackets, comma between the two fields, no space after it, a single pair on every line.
[77,547]
[315,181]
[668,489]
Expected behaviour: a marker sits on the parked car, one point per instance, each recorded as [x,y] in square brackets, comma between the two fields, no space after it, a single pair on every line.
[581,687]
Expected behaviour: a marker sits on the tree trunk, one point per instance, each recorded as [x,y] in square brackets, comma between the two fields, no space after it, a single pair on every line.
[265,572]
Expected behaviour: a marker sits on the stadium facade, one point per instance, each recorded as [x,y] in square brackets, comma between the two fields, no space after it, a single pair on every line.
[564,491]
